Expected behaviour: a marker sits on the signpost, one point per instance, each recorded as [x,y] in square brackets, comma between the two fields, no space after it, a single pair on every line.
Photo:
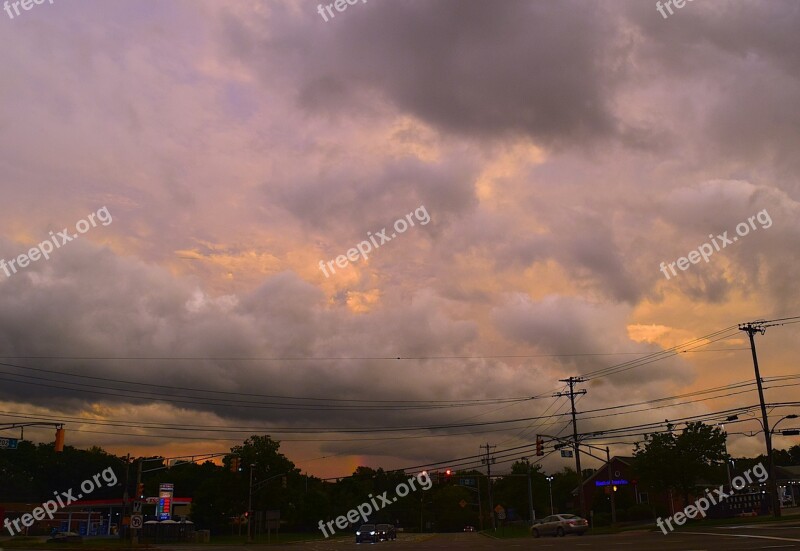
[164,505]
[8,443]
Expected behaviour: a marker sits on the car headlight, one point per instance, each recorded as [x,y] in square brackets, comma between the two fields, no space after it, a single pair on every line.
[372,533]
[358,533]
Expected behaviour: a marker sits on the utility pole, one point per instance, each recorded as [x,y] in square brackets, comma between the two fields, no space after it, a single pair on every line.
[572,381]
[488,462]
[531,515]
[751,329]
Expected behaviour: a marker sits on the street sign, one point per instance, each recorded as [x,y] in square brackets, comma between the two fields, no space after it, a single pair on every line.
[463,503]
[137,507]
[8,443]
[137,521]
[566,453]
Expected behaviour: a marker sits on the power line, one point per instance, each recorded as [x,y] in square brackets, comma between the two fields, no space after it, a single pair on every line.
[273,396]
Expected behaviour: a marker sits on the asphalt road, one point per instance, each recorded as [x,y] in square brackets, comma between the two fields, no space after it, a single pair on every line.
[743,537]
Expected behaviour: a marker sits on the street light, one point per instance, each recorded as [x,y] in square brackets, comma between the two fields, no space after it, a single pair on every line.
[550,482]
[791,416]
[777,500]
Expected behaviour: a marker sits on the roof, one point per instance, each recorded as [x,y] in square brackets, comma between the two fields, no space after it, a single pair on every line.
[622,459]
[790,472]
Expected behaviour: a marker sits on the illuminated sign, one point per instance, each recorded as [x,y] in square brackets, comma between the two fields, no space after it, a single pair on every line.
[164,505]
[620,482]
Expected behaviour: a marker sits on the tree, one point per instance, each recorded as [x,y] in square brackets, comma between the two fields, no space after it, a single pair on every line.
[678,462]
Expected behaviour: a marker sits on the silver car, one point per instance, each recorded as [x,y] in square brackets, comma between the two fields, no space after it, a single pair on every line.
[559,525]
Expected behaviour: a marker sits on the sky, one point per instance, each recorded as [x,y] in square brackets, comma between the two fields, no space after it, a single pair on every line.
[518,170]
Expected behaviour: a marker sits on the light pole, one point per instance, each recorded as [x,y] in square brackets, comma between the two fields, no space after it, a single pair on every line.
[250,507]
[772,459]
[550,483]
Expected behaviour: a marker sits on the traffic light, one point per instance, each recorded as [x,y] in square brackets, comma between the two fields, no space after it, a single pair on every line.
[539,445]
[140,490]
[236,464]
[448,476]
[59,439]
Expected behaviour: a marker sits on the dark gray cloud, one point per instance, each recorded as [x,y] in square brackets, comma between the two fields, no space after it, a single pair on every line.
[468,67]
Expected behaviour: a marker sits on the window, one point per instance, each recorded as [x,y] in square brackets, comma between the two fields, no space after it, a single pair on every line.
[643,497]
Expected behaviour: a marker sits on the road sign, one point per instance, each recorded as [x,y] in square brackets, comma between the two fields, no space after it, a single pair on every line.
[566,453]
[463,503]
[8,443]
[137,507]
[136,521]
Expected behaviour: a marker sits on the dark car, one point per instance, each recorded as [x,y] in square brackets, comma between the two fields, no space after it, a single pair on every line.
[469,528]
[559,525]
[367,532]
[65,537]
[386,532]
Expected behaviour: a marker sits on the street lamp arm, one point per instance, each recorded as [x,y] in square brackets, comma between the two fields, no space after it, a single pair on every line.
[790,416]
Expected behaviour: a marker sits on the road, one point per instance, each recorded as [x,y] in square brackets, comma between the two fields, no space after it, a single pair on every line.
[742,537]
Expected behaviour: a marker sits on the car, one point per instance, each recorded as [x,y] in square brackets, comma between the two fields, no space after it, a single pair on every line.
[559,525]
[469,528]
[786,501]
[65,537]
[367,532]
[386,532]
